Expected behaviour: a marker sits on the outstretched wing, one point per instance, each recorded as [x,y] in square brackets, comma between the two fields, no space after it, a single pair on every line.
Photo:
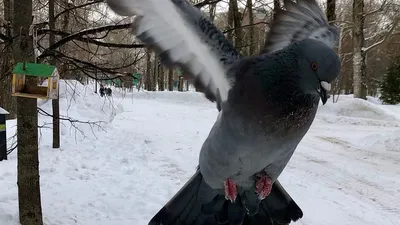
[183,36]
[300,21]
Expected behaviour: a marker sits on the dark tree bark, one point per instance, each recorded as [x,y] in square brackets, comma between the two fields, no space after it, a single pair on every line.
[170,79]
[252,44]
[161,77]
[331,10]
[148,84]
[212,11]
[30,208]
[55,102]
[155,74]
[6,100]
[234,20]
[277,5]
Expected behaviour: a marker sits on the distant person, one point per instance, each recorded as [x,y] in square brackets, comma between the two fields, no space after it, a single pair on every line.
[108,91]
[102,90]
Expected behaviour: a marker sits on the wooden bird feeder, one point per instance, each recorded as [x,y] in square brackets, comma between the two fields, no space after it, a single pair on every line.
[20,89]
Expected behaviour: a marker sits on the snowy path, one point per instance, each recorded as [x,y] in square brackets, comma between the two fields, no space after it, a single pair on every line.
[344,172]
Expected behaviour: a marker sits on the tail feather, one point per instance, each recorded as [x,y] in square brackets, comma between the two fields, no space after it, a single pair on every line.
[198,204]
[280,205]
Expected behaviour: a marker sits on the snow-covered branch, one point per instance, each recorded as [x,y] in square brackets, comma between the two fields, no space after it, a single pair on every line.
[377,10]
[385,39]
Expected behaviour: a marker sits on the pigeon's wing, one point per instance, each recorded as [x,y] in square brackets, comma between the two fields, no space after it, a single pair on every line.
[297,22]
[183,36]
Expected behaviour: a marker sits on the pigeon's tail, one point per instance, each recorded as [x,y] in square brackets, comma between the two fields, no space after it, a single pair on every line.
[198,204]
[279,206]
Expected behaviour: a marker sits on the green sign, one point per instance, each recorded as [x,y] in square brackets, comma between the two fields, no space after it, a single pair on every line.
[2,127]
[179,71]
[136,78]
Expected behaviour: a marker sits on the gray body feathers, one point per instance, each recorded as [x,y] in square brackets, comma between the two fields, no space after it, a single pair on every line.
[256,131]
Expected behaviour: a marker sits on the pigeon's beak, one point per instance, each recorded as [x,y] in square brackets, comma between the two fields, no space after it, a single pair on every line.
[323,91]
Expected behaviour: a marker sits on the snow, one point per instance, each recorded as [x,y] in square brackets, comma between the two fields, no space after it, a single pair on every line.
[345,171]
[3,111]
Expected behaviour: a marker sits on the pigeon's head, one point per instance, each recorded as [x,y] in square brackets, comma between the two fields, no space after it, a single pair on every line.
[319,66]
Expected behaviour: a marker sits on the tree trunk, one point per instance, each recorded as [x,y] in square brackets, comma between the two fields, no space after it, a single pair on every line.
[155,74]
[170,79]
[331,10]
[212,11]
[359,66]
[63,68]
[6,100]
[252,44]
[277,5]
[180,83]
[30,209]
[161,77]
[55,102]
[229,35]
[148,84]
[331,16]
[235,20]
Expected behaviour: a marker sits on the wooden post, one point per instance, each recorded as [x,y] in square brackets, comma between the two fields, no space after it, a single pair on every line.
[3,134]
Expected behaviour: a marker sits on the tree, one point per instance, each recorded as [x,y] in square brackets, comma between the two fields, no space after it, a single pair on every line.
[30,209]
[360,50]
[331,10]
[251,35]
[55,102]
[149,83]
[170,79]
[6,100]
[390,86]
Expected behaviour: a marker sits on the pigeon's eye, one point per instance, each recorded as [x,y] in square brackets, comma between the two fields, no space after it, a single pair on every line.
[314,66]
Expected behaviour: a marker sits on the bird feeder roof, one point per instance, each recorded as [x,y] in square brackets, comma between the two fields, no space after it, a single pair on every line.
[34,69]
[3,111]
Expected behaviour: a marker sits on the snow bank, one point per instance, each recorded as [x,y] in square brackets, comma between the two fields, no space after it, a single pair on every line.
[383,141]
[358,112]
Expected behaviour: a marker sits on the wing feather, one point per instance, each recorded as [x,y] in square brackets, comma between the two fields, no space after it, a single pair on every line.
[297,22]
[183,36]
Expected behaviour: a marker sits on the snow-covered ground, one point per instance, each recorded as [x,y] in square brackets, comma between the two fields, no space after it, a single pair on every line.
[346,171]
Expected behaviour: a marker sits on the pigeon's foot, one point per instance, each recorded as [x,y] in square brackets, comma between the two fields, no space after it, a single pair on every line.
[263,186]
[230,190]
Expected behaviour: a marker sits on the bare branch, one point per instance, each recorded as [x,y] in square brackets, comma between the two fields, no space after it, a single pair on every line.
[74,121]
[79,35]
[206,2]
[77,7]
[90,40]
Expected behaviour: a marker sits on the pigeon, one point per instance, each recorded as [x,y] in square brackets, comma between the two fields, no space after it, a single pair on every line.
[266,102]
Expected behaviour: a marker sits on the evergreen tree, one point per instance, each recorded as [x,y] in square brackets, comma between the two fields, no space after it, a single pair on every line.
[390,85]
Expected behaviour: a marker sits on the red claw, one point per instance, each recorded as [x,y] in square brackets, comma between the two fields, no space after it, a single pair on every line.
[263,186]
[230,190]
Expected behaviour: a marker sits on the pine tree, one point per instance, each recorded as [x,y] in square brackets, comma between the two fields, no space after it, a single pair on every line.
[390,86]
